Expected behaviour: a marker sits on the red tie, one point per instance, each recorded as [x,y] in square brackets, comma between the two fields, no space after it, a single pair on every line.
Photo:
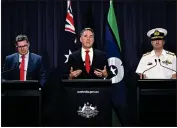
[87,61]
[22,69]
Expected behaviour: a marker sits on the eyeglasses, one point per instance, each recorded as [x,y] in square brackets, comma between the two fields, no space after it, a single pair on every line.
[22,46]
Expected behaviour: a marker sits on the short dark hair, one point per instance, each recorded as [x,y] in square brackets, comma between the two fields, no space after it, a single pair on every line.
[85,29]
[21,37]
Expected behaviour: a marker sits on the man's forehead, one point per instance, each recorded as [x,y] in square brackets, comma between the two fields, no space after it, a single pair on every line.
[22,42]
[87,32]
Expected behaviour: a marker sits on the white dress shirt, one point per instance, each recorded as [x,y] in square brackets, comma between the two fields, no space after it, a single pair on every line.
[26,63]
[168,59]
[83,53]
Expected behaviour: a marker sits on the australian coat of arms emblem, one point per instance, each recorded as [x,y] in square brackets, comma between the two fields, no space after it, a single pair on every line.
[87,110]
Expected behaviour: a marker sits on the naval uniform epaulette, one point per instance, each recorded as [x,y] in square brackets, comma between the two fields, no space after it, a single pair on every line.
[170,53]
[146,54]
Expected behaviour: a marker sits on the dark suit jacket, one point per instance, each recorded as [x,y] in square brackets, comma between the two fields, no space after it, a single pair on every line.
[99,61]
[35,70]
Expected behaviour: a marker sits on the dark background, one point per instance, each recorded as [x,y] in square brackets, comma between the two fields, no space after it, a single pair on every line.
[43,21]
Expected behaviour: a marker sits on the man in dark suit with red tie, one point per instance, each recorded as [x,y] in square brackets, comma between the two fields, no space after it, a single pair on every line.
[24,65]
[88,62]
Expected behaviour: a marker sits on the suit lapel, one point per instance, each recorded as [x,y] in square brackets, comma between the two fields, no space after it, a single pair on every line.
[17,61]
[81,61]
[17,66]
[94,60]
[30,60]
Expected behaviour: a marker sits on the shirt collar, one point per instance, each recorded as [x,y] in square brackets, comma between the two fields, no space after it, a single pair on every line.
[26,56]
[163,53]
[90,49]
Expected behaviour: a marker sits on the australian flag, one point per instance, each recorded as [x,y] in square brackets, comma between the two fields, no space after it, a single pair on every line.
[70,42]
[69,26]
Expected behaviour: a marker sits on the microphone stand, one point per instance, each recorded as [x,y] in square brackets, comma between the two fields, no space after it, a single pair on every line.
[165,67]
[149,68]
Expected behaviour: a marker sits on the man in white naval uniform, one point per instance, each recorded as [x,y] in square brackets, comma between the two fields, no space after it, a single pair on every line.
[159,63]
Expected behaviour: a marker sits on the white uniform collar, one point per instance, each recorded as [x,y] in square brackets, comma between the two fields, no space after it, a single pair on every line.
[163,53]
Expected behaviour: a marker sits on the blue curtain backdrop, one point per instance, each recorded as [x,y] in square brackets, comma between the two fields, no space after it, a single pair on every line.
[43,21]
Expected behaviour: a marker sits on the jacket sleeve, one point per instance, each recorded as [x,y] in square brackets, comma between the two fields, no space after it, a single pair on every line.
[4,69]
[42,73]
[110,74]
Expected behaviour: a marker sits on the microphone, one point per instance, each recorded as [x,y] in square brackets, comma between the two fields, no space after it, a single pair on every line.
[151,67]
[165,67]
[11,69]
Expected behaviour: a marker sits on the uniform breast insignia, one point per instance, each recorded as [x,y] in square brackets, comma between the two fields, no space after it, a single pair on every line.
[170,53]
[146,54]
[149,63]
[167,62]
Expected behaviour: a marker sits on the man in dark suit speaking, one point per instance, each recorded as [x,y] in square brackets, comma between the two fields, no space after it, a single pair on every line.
[88,62]
[24,65]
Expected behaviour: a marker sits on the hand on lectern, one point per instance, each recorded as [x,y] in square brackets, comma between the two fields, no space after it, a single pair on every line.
[143,76]
[74,74]
[173,76]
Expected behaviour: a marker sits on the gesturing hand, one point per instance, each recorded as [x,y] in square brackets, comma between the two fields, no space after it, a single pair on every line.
[101,73]
[74,74]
